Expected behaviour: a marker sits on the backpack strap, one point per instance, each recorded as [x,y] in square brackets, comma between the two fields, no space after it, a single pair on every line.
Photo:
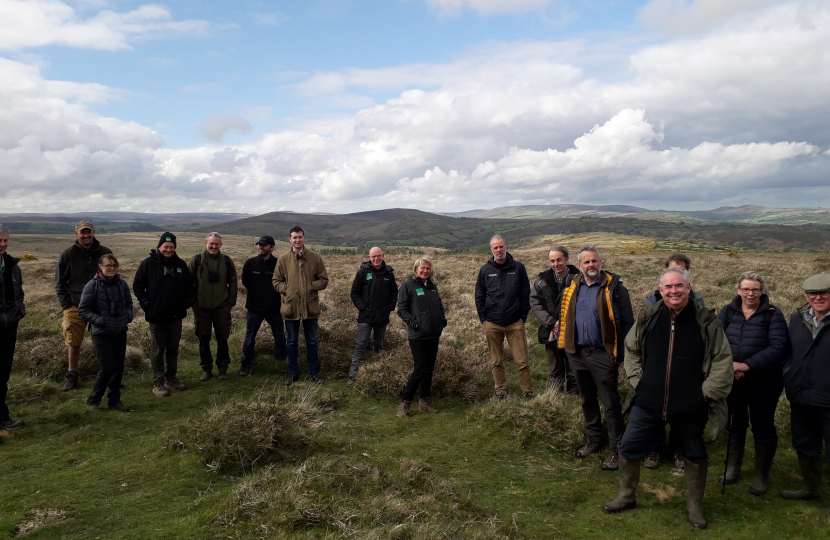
[730,312]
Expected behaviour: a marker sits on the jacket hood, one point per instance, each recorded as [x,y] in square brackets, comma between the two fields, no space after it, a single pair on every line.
[415,279]
[505,264]
[162,259]
[94,247]
[383,267]
[547,273]
[10,261]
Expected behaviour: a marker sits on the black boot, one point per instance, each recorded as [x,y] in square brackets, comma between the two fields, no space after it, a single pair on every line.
[737,442]
[695,486]
[629,480]
[764,453]
[811,472]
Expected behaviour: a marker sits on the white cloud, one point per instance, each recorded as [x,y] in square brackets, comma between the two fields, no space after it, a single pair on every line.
[270,19]
[486,7]
[682,16]
[37,23]
[217,125]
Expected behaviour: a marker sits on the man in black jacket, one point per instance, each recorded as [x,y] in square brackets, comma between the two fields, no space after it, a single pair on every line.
[12,309]
[502,301]
[263,303]
[77,265]
[164,289]
[374,294]
[543,300]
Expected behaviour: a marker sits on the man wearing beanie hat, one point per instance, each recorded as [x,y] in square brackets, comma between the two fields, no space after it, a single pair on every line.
[807,380]
[164,288]
[76,266]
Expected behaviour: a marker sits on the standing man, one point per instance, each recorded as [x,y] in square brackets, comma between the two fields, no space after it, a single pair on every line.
[76,266]
[675,260]
[262,303]
[502,302]
[374,294]
[214,276]
[679,363]
[164,288]
[299,277]
[12,309]
[543,300]
[595,316]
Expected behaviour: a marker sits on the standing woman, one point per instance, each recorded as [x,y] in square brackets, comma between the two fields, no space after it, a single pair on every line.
[107,306]
[420,307]
[759,339]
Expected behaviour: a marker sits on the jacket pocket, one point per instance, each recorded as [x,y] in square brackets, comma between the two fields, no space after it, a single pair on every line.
[313,305]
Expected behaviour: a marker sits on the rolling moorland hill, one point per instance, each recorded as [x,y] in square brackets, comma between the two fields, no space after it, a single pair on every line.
[112,222]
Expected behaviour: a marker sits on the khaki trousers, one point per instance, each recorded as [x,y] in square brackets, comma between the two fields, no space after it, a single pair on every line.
[517,340]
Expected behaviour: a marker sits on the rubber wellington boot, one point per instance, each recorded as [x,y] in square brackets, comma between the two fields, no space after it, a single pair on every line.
[811,472]
[764,453]
[695,486]
[737,442]
[629,476]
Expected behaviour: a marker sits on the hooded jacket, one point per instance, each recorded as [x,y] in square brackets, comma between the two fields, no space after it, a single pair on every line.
[299,281]
[807,369]
[11,294]
[258,280]
[164,288]
[502,292]
[420,307]
[106,304]
[374,293]
[76,266]
[213,294]
[762,345]
[543,298]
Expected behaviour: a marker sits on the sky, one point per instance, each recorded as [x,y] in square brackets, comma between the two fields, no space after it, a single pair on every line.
[442,105]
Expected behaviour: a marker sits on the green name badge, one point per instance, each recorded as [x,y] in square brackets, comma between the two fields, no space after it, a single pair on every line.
[179,270]
[369,275]
[420,292]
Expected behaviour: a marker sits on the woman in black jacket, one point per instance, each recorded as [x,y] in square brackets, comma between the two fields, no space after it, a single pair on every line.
[759,339]
[420,307]
[107,306]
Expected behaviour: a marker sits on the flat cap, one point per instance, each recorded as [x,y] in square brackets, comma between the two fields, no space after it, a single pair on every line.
[84,225]
[817,283]
[265,241]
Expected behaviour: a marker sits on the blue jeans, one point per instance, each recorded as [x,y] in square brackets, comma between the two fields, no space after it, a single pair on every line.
[645,430]
[292,328]
[255,319]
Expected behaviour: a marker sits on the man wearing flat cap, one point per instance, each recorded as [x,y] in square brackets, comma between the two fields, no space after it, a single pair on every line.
[76,266]
[807,380]
[263,303]
[164,289]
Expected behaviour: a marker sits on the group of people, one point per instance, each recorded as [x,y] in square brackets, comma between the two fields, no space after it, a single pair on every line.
[686,366]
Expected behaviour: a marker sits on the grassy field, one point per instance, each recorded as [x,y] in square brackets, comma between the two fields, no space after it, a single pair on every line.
[247,458]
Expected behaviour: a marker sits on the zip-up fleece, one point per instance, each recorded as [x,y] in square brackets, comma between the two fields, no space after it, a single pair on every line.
[502,292]
[218,294]
[716,367]
[374,293]
[76,266]
[164,288]
[258,280]
[299,280]
[420,307]
[807,370]
[543,298]
[615,314]
[11,294]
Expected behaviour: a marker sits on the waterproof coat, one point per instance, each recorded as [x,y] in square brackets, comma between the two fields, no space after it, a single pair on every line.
[216,294]
[807,369]
[11,294]
[258,280]
[76,266]
[717,361]
[420,307]
[164,288]
[613,306]
[299,281]
[502,292]
[762,342]
[106,305]
[374,293]
[544,296]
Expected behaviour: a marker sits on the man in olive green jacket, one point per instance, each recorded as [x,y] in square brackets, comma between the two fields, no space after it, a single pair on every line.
[299,276]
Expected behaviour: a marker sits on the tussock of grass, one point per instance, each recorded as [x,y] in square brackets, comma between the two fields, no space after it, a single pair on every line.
[45,358]
[350,498]
[269,426]
[24,390]
[552,414]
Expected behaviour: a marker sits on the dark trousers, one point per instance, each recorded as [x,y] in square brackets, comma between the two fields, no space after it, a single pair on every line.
[166,337]
[810,426]
[646,429]
[755,401]
[111,352]
[364,332]
[254,322]
[424,355]
[597,374]
[218,320]
[559,369]
[8,340]
[292,328]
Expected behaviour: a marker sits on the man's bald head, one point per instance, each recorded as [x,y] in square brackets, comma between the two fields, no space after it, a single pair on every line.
[376,257]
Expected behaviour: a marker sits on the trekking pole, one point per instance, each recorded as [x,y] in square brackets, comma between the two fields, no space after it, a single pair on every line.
[728,446]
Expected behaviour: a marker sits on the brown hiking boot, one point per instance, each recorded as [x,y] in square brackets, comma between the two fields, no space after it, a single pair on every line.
[613,461]
[403,410]
[223,373]
[206,376]
[426,406]
[679,462]
[174,383]
[160,391]
[71,381]
[244,370]
[652,461]
[591,446]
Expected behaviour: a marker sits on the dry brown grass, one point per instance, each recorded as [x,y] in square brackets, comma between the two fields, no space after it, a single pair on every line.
[37,518]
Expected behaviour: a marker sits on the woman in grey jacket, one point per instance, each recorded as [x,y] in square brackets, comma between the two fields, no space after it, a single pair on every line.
[107,306]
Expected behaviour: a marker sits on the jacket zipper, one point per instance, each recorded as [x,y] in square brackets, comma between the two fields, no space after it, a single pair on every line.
[668,369]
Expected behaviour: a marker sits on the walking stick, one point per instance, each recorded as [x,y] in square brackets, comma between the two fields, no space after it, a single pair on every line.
[728,447]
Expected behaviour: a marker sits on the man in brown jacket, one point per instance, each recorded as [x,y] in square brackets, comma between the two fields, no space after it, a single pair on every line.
[299,276]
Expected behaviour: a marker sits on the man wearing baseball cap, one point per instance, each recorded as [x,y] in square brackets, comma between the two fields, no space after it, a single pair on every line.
[76,266]
[263,303]
[807,380]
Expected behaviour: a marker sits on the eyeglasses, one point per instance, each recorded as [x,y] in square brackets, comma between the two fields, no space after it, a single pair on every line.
[109,266]
[750,291]
[823,294]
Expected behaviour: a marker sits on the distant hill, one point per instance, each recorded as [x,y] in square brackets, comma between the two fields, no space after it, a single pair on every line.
[112,222]
[764,214]
[553,211]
